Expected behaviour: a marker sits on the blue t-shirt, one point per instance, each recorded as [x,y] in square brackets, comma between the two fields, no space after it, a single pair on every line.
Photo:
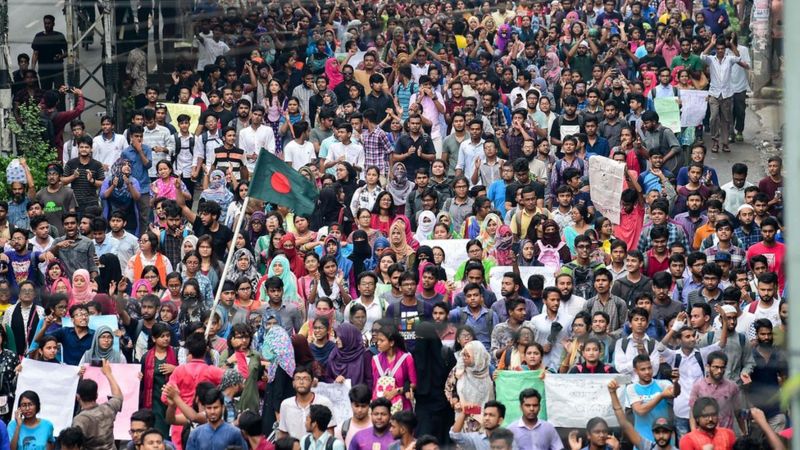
[643,393]
[33,438]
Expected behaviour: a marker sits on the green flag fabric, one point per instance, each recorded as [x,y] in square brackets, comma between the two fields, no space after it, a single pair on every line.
[510,383]
[274,181]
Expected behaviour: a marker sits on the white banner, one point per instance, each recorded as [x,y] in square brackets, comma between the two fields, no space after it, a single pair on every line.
[606,178]
[496,276]
[574,399]
[56,385]
[127,377]
[693,107]
[339,395]
[455,253]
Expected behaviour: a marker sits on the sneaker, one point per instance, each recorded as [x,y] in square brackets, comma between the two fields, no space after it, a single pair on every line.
[739,137]
[730,137]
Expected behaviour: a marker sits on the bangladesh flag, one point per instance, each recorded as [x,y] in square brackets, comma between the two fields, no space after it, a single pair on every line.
[274,181]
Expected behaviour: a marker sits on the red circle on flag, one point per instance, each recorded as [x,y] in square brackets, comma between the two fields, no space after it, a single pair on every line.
[280,183]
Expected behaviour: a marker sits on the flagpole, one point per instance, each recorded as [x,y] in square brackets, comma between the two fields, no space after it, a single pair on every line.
[228,261]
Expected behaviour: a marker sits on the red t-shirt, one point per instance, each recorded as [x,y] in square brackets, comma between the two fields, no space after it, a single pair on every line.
[774,256]
[722,439]
[654,265]
[630,225]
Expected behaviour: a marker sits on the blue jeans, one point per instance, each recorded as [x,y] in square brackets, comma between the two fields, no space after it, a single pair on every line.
[681,427]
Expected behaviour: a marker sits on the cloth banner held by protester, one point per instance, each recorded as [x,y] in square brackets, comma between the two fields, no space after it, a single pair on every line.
[497,272]
[339,395]
[669,113]
[693,107]
[127,376]
[574,399]
[606,178]
[56,385]
[193,111]
[510,383]
[455,251]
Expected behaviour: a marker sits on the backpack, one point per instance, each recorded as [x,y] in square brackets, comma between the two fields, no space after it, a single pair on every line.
[697,356]
[742,339]
[328,444]
[463,316]
[583,279]
[386,381]
[649,345]
[191,144]
[550,256]
[47,119]
[345,428]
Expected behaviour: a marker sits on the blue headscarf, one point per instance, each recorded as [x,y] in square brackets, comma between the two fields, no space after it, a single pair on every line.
[380,244]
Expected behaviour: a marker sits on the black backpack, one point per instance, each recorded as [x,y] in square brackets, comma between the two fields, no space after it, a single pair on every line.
[328,444]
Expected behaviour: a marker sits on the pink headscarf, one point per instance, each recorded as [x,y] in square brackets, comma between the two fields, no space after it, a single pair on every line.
[66,282]
[653,81]
[141,282]
[410,239]
[552,69]
[333,73]
[439,287]
[84,294]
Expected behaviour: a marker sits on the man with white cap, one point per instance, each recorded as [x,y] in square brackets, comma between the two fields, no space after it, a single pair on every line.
[747,233]
[739,350]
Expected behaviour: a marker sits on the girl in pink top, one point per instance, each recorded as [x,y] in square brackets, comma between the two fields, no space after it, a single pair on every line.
[392,368]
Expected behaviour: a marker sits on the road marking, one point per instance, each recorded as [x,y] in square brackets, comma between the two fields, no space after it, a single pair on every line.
[32,23]
[59,3]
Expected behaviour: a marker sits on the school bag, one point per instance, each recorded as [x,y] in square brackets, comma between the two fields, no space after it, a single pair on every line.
[550,256]
[386,381]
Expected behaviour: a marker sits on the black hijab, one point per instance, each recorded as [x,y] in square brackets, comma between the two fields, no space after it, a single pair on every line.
[432,364]
[361,252]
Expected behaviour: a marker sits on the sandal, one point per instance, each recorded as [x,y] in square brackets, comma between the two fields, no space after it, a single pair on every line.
[715,149]
[726,149]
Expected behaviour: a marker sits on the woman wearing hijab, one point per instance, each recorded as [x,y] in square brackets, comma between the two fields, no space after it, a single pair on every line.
[444,218]
[399,243]
[256,227]
[347,177]
[361,253]
[109,270]
[331,209]
[333,247]
[399,186]
[333,73]
[279,267]
[502,252]
[81,288]
[380,245]
[425,223]
[278,351]
[288,244]
[349,359]
[304,357]
[217,191]
[470,383]
[244,265]
[103,348]
[552,70]
[551,237]
[488,232]
[120,192]
[56,270]
[434,414]
[321,343]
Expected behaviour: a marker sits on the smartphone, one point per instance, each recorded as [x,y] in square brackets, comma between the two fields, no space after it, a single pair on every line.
[96,363]
[472,410]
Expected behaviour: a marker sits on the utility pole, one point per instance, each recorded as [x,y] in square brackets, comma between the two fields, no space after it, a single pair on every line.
[6,102]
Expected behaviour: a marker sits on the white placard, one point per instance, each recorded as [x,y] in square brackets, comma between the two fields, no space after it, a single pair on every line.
[455,253]
[56,385]
[339,395]
[606,178]
[574,399]
[693,107]
[496,276]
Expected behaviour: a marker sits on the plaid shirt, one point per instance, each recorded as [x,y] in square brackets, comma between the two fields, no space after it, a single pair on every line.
[748,239]
[495,117]
[676,235]
[376,149]
[738,256]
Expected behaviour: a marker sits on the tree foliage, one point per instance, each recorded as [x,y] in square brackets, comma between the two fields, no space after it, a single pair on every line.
[31,145]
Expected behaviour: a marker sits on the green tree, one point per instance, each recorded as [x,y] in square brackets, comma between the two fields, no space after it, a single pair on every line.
[31,145]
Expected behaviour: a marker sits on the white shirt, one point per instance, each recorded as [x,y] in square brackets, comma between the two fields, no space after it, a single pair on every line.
[623,361]
[205,150]
[293,417]
[689,371]
[375,312]
[522,102]
[158,137]
[70,150]
[252,140]
[108,151]
[739,79]
[418,71]
[572,306]
[542,326]
[734,197]
[467,153]
[720,74]
[127,246]
[352,152]
[184,160]
[42,248]
[208,49]
[298,154]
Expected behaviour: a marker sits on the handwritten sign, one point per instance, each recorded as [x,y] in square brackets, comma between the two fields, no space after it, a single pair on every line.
[339,396]
[669,113]
[127,377]
[455,253]
[56,385]
[176,109]
[510,383]
[496,276]
[606,179]
[574,399]
[693,107]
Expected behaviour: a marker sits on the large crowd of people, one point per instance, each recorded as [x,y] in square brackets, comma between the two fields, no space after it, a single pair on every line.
[416,123]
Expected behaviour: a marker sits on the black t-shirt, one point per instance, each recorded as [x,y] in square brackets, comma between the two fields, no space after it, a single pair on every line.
[219,238]
[48,46]
[85,192]
[511,190]
[223,116]
[654,60]
[563,127]
[414,162]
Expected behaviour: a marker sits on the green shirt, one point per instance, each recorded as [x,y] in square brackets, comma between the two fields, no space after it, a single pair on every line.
[692,63]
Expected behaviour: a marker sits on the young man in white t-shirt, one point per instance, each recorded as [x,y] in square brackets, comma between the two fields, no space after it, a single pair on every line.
[299,151]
